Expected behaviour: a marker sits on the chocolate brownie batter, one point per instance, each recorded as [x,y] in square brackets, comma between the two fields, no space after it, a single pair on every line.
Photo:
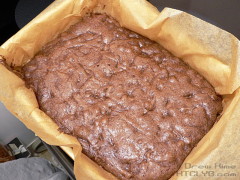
[136,109]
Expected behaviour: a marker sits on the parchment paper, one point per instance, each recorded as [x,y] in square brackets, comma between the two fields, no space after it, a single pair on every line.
[213,52]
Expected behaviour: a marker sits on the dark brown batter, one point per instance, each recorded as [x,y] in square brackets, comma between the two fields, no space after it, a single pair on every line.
[136,109]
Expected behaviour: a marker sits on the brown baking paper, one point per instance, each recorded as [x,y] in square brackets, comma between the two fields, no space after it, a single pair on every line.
[213,52]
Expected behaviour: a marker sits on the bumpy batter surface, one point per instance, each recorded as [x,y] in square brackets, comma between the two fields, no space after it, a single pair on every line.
[136,109]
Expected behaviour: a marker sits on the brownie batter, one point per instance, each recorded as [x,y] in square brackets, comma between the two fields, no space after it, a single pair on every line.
[135,108]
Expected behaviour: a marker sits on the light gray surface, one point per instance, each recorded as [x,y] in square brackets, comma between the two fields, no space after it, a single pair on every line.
[31,169]
[11,127]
